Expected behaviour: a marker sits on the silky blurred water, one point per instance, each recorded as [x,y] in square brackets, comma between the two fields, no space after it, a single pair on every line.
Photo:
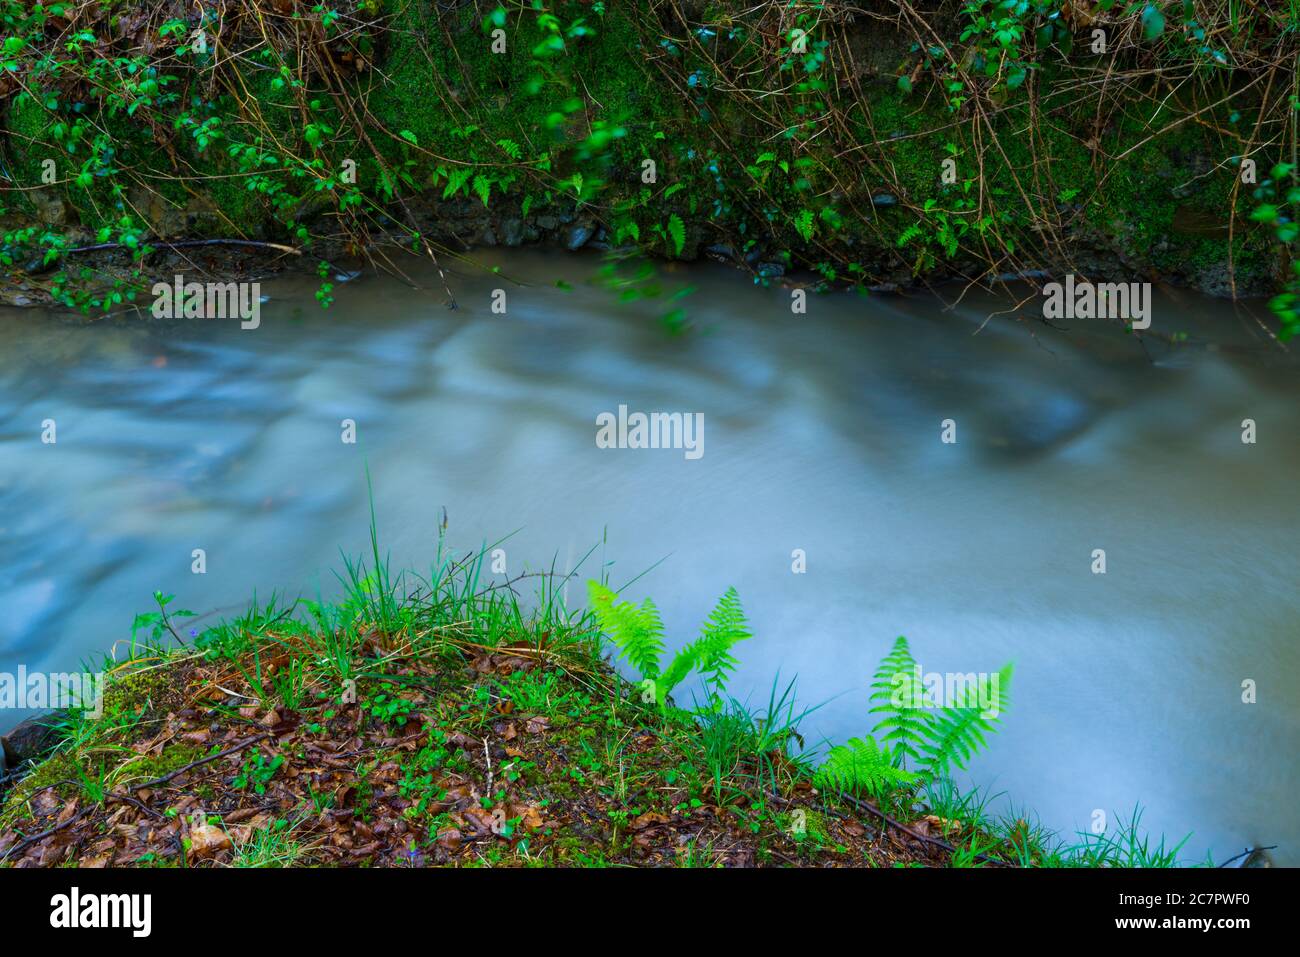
[821,433]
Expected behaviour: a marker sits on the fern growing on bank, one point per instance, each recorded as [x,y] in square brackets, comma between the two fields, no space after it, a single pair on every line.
[915,729]
[862,767]
[638,632]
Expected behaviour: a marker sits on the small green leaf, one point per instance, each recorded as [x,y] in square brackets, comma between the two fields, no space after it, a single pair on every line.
[677,230]
[804,224]
[1153,21]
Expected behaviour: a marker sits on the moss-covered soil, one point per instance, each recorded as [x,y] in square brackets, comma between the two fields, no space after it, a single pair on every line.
[515,756]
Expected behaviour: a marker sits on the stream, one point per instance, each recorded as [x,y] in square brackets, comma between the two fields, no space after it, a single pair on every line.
[821,433]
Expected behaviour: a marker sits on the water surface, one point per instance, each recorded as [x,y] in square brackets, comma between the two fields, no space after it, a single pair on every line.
[822,433]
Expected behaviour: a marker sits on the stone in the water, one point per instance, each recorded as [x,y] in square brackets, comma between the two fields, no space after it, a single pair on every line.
[1258,858]
[577,236]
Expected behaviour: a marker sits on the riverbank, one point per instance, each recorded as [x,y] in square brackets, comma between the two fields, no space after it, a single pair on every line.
[876,145]
[442,723]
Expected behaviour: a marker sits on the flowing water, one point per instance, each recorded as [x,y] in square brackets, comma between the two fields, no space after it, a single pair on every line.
[821,433]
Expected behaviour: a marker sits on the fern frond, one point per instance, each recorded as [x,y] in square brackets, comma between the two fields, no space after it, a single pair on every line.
[636,630]
[957,732]
[861,767]
[897,693]
[710,654]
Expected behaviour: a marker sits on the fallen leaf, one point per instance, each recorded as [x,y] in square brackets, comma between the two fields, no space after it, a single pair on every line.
[647,819]
[207,840]
[537,724]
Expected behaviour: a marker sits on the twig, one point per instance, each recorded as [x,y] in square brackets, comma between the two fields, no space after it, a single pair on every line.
[871,808]
[1246,853]
[96,247]
[194,764]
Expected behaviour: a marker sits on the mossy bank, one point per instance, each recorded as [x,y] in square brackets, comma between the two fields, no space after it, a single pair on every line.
[876,144]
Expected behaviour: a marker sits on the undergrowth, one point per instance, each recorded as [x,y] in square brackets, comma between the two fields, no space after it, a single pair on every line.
[861,141]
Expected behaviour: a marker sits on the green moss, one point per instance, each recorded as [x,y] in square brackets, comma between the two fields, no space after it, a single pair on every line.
[129,693]
[58,772]
[147,767]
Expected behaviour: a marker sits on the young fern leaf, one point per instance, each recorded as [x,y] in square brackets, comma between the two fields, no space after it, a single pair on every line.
[861,767]
[636,630]
[898,695]
[957,732]
[710,654]
[935,740]
[638,633]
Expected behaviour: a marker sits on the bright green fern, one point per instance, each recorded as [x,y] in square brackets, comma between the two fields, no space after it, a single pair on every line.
[861,767]
[914,729]
[638,633]
[896,683]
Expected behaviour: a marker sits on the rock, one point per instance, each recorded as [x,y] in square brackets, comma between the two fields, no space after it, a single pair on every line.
[881,200]
[512,232]
[50,208]
[1215,281]
[771,270]
[30,740]
[721,251]
[168,220]
[577,236]
[1258,858]
[37,266]
[548,223]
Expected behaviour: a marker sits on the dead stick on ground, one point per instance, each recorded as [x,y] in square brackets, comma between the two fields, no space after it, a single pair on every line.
[865,806]
[194,764]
